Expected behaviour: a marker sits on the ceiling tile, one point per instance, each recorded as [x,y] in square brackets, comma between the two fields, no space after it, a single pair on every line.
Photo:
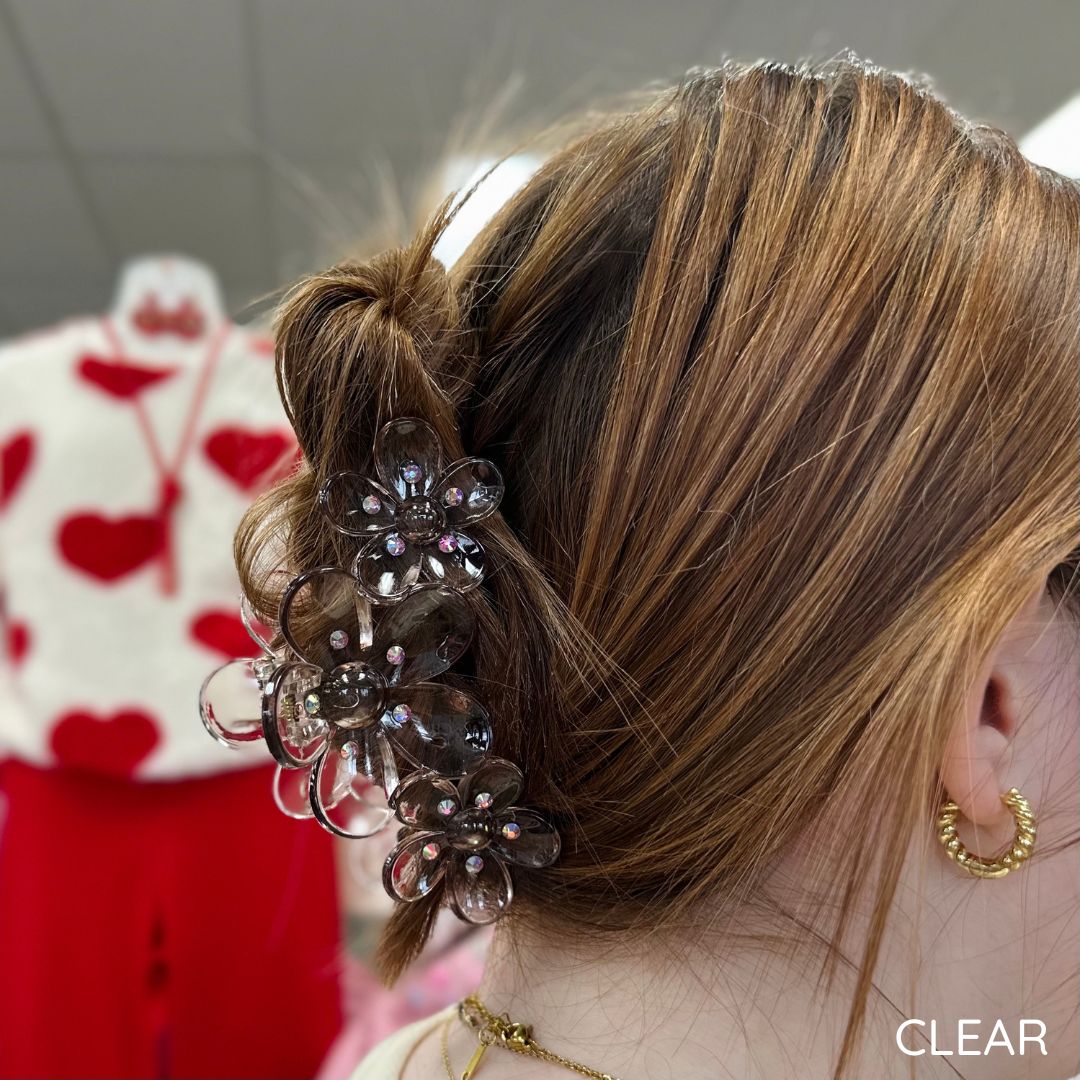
[1005,63]
[211,210]
[144,75]
[47,235]
[24,127]
[340,77]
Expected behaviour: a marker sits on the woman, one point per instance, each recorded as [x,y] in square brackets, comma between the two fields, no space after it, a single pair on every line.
[779,368]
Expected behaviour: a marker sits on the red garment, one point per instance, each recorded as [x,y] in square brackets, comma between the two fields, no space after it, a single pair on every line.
[180,929]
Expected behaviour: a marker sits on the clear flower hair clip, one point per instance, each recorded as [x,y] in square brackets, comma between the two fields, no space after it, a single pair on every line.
[354,702]
[470,833]
[411,516]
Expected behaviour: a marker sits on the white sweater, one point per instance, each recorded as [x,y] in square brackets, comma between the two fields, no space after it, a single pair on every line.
[103,660]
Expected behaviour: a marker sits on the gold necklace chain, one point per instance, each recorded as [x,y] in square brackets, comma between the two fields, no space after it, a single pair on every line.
[495,1030]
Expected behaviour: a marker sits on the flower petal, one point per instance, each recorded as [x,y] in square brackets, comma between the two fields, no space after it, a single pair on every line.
[525,838]
[230,700]
[291,792]
[481,890]
[407,873]
[469,490]
[387,567]
[500,779]
[416,801]
[437,727]
[454,560]
[432,627]
[293,737]
[357,505]
[344,797]
[325,618]
[408,458]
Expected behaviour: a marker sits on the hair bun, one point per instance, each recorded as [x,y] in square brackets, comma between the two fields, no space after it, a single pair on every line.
[410,295]
[364,341]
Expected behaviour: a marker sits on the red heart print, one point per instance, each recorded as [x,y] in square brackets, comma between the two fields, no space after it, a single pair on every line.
[114,745]
[120,379]
[245,456]
[223,632]
[15,458]
[18,641]
[108,549]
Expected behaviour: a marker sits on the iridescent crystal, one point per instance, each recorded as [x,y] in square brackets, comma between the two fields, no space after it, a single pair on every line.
[339,639]
[430,851]
[395,655]
[474,864]
[446,807]
[483,800]
[453,496]
[411,472]
[447,543]
[349,749]
[311,704]
[400,714]
[394,544]
[371,504]
[511,830]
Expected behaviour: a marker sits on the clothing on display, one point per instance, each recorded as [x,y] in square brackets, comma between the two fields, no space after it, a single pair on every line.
[143,932]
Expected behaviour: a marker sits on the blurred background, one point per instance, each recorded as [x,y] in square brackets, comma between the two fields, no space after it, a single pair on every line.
[166,166]
[255,134]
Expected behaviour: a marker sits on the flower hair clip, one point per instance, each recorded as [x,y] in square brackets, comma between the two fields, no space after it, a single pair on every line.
[412,516]
[466,832]
[344,700]
[353,700]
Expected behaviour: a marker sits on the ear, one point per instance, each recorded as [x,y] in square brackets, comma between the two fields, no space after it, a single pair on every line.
[974,771]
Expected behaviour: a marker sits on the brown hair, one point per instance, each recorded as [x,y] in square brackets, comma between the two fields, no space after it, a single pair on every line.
[780,369]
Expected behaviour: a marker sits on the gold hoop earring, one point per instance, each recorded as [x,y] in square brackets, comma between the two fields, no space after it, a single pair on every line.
[1014,856]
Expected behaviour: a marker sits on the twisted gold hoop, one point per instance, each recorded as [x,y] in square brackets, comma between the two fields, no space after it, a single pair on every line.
[1014,856]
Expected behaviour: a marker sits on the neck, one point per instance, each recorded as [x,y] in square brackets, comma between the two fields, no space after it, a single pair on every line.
[684,1007]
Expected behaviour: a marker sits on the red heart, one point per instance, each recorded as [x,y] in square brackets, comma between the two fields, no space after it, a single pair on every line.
[15,457]
[109,549]
[245,456]
[223,632]
[18,641]
[113,745]
[119,378]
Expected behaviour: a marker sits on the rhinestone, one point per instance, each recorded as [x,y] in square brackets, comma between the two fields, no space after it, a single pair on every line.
[394,544]
[395,655]
[401,714]
[339,639]
[511,830]
[411,472]
[446,807]
[483,800]
[453,496]
[349,750]
[372,504]
[474,864]
[311,704]
[447,543]
[430,851]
